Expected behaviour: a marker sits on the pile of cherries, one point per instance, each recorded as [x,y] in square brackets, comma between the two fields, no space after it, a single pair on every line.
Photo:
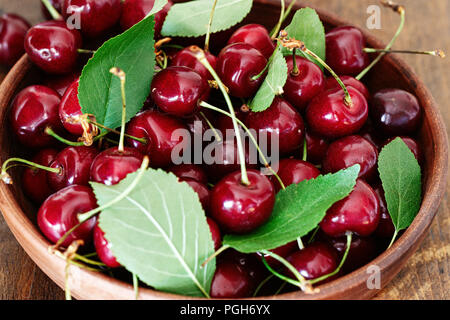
[312,110]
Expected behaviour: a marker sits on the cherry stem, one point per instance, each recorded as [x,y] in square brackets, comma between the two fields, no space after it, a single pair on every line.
[295,72]
[141,140]
[274,32]
[202,58]
[52,133]
[393,238]
[122,77]
[6,177]
[215,254]
[277,28]
[86,51]
[280,288]
[259,75]
[210,125]
[401,11]
[262,283]
[435,53]
[51,9]
[136,286]
[88,261]
[313,235]
[208,32]
[252,138]
[300,244]
[305,150]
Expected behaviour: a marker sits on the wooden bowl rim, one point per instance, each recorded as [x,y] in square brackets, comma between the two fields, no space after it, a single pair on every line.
[37,246]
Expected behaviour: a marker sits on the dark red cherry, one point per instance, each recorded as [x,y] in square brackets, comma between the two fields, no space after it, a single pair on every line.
[103,248]
[179,90]
[280,122]
[134,11]
[33,110]
[70,109]
[53,47]
[13,29]
[189,171]
[412,145]
[111,166]
[369,133]
[61,83]
[201,190]
[317,147]
[359,212]
[255,35]
[385,227]
[302,87]
[160,131]
[237,64]
[74,164]
[351,150]
[282,251]
[34,181]
[330,117]
[331,83]
[215,233]
[96,16]
[395,112]
[314,261]
[238,208]
[186,58]
[345,53]
[293,171]
[57,4]
[59,213]
[224,123]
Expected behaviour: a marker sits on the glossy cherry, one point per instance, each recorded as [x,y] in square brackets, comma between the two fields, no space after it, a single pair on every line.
[179,90]
[412,145]
[293,171]
[303,86]
[282,123]
[344,52]
[134,11]
[238,208]
[158,129]
[60,83]
[74,164]
[202,192]
[255,35]
[59,213]
[13,29]
[34,181]
[359,212]
[96,16]
[111,166]
[329,116]
[33,110]
[190,171]
[215,233]
[53,47]
[317,147]
[351,150]
[395,112]
[282,251]
[187,58]
[331,83]
[385,227]
[103,248]
[70,109]
[237,64]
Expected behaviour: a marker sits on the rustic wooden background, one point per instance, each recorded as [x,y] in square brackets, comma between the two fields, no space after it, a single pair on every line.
[427,274]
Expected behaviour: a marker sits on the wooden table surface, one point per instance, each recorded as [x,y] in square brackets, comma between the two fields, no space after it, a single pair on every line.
[427,274]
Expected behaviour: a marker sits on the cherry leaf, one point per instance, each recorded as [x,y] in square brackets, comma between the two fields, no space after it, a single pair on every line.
[298,210]
[159,232]
[190,19]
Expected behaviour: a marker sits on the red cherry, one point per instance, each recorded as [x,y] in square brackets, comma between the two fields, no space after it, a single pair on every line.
[70,109]
[111,166]
[330,117]
[103,248]
[59,213]
[13,29]
[52,46]
[316,147]
[61,83]
[331,83]
[255,35]
[158,129]
[179,90]
[75,164]
[34,181]
[238,208]
[282,251]
[215,232]
[302,87]
[134,11]
[385,227]
[33,110]
[189,171]
[359,213]
[237,64]
[201,190]
[351,150]
[412,145]
[96,16]
[345,53]
[395,112]
[282,121]
[293,171]
[187,58]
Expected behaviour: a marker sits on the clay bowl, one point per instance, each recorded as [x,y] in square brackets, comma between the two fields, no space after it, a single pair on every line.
[391,72]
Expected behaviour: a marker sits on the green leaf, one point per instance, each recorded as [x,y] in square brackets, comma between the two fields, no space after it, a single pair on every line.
[273,83]
[159,232]
[190,19]
[99,91]
[298,210]
[307,27]
[157,6]
[402,184]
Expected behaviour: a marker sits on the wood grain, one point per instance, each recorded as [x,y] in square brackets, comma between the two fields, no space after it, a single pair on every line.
[427,274]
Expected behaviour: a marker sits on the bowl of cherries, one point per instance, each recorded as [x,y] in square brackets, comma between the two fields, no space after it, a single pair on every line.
[177,150]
